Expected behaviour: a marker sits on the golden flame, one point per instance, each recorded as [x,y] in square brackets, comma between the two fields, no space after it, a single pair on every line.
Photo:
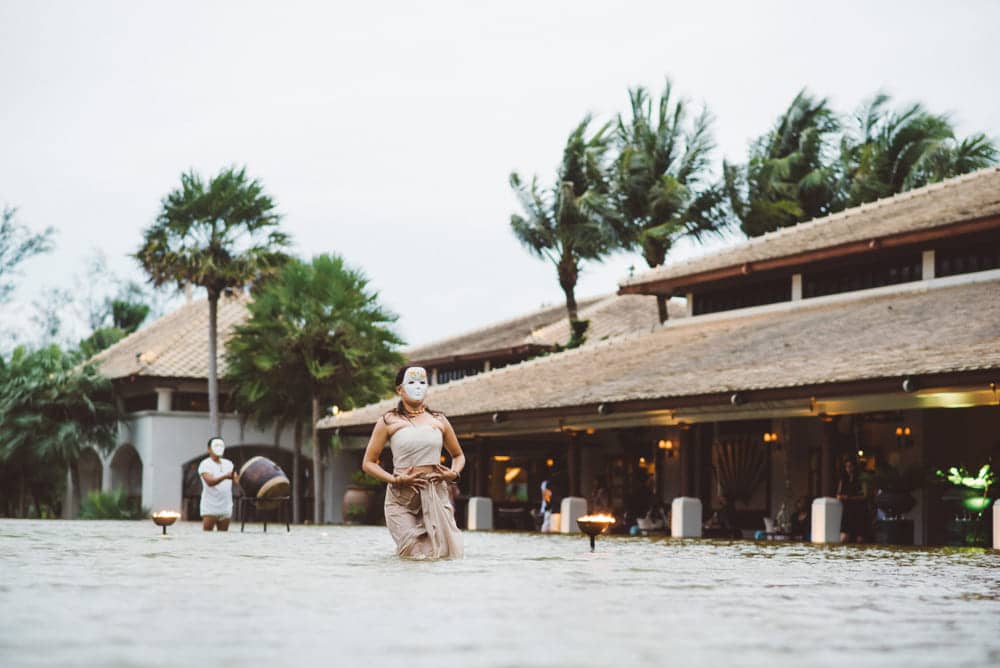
[601,518]
[166,513]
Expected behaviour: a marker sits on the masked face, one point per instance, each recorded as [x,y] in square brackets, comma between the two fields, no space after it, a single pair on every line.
[415,383]
[218,447]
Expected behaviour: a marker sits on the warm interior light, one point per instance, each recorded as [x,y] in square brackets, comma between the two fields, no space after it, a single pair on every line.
[590,432]
[603,518]
[501,458]
[899,431]
[906,431]
[335,410]
[511,473]
[770,437]
[550,462]
[166,513]
[861,453]
[642,461]
[666,444]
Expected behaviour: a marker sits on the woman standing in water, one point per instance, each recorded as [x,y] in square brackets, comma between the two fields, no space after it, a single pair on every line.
[418,509]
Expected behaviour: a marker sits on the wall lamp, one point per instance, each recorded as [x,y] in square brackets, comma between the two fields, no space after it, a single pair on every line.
[667,446]
[904,438]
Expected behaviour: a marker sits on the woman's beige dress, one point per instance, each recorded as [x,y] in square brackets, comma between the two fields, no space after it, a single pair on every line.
[421,521]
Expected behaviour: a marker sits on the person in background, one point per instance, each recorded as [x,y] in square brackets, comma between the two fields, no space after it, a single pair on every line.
[801,522]
[852,493]
[217,478]
[546,508]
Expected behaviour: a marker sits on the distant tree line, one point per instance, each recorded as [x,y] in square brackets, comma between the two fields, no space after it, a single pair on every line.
[645,180]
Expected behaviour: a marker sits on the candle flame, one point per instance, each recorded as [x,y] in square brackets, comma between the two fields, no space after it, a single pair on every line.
[167,513]
[602,518]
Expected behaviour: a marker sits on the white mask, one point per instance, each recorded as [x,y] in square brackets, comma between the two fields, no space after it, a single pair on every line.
[415,383]
[218,447]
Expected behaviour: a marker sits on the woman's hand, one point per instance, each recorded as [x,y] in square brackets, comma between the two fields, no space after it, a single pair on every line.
[411,479]
[442,472]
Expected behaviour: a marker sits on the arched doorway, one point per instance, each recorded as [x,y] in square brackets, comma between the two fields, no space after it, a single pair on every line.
[91,473]
[126,473]
[239,455]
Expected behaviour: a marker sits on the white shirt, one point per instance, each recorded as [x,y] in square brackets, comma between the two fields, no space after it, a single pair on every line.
[218,499]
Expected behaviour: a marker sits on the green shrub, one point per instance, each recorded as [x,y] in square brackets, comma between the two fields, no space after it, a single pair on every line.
[112,505]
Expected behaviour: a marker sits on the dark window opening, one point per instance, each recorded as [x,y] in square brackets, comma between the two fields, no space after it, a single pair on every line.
[448,375]
[191,402]
[140,402]
[980,255]
[759,294]
[863,276]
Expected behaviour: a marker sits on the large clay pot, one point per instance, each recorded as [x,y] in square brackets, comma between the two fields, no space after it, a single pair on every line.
[357,504]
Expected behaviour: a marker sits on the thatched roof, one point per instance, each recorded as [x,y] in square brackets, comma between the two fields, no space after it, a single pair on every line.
[176,345]
[915,330]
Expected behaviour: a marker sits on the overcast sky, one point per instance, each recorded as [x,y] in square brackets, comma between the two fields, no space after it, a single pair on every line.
[386,131]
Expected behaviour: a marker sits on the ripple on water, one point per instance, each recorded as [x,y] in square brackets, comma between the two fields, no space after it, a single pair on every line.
[101,588]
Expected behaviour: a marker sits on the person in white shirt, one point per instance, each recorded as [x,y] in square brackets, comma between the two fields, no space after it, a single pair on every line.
[217,478]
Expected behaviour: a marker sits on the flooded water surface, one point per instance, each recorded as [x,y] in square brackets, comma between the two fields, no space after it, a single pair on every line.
[120,594]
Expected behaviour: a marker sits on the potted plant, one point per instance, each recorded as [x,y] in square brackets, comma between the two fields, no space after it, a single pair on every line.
[970,497]
[894,487]
[359,499]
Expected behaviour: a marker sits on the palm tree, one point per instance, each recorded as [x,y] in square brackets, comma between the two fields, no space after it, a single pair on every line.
[886,152]
[220,235]
[51,409]
[574,221]
[316,336]
[791,175]
[661,177]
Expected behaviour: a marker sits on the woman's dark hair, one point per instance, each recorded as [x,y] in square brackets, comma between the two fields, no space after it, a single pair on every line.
[400,410]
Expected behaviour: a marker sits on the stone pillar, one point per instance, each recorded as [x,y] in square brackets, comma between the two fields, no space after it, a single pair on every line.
[796,287]
[480,514]
[996,525]
[685,517]
[106,473]
[826,514]
[164,399]
[570,509]
[928,268]
[690,304]
[828,436]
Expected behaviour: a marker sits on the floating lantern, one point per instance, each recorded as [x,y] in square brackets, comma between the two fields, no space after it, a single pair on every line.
[165,518]
[595,524]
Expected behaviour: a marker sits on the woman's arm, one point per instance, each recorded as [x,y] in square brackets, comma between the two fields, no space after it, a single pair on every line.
[454,449]
[212,480]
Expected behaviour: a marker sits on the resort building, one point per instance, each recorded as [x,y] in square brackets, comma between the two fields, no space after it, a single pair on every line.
[160,378]
[872,335]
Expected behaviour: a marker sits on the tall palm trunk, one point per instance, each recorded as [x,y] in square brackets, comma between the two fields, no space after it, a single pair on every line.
[297,474]
[317,466]
[74,472]
[568,274]
[213,372]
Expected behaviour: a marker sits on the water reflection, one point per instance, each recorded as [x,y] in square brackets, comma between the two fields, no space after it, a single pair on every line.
[120,593]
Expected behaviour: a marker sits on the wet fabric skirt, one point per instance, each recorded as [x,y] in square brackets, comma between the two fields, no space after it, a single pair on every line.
[422,522]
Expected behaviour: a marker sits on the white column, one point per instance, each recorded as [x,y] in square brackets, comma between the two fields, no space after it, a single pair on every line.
[928,266]
[480,514]
[106,472]
[826,514]
[570,509]
[690,304]
[996,525]
[796,287]
[685,517]
[486,366]
[164,396]
[434,376]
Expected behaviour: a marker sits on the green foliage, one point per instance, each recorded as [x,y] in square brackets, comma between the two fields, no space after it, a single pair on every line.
[315,330]
[575,220]
[355,513]
[661,176]
[812,164]
[959,476]
[128,315]
[51,408]
[112,505]
[101,339]
[791,174]
[362,479]
[17,244]
[220,234]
